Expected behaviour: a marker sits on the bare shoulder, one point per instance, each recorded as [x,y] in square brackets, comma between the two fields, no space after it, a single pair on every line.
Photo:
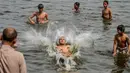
[45,13]
[35,12]
[116,35]
[109,9]
[68,46]
[125,35]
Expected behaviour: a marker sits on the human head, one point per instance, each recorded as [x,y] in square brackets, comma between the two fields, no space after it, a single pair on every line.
[40,7]
[9,35]
[62,40]
[105,3]
[76,5]
[120,29]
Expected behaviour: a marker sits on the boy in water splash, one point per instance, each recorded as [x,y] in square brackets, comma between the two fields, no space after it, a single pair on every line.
[64,55]
[41,17]
[63,47]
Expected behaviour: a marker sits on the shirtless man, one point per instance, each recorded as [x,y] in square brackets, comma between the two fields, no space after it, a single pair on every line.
[121,41]
[41,17]
[106,12]
[121,47]
[76,7]
[63,47]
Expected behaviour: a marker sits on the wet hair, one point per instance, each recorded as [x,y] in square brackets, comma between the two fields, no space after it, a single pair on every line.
[40,6]
[9,34]
[66,41]
[121,28]
[77,3]
[106,1]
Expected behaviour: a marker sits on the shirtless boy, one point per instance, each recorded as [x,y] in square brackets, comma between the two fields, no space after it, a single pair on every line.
[106,12]
[76,7]
[63,47]
[41,16]
[121,40]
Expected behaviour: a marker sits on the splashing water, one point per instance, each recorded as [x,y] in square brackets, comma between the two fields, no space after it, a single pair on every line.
[35,38]
[52,35]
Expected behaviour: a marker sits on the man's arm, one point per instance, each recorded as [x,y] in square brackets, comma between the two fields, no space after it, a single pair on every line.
[114,46]
[128,42]
[31,18]
[22,64]
[46,17]
[110,14]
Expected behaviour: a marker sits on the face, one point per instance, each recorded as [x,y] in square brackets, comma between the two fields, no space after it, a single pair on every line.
[62,41]
[40,10]
[119,32]
[105,4]
[75,6]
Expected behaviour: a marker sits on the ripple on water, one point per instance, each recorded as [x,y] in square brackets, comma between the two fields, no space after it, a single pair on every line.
[1,13]
[7,11]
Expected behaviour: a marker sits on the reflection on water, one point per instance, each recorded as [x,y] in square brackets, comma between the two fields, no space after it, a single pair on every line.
[117,71]
[121,62]
[106,24]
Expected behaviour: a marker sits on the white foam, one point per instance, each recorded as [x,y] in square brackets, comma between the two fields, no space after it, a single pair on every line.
[53,33]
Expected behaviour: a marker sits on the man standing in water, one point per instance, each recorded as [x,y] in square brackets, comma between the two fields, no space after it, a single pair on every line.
[121,42]
[11,61]
[76,7]
[106,12]
[41,17]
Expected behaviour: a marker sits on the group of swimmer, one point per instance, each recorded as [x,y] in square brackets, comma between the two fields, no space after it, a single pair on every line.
[12,61]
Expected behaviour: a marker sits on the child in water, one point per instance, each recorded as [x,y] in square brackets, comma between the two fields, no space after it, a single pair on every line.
[106,12]
[41,16]
[76,7]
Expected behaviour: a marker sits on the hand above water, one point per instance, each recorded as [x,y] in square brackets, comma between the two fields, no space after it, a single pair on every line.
[114,54]
[128,53]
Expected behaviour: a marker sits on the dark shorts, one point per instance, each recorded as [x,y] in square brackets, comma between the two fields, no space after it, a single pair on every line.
[122,57]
